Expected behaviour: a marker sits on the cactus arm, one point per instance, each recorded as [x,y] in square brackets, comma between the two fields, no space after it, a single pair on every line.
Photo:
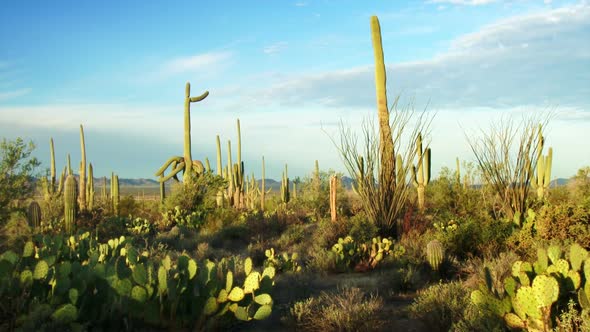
[172,174]
[168,163]
[199,98]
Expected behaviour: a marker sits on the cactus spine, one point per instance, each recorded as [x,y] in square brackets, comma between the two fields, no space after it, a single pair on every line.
[421,174]
[184,163]
[285,195]
[115,193]
[333,187]
[82,190]
[34,214]
[70,195]
[90,188]
[435,254]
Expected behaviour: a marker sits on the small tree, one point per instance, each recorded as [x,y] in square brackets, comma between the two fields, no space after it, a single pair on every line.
[16,173]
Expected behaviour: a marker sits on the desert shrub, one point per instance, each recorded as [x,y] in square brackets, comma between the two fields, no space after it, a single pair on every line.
[572,320]
[320,260]
[475,319]
[360,228]
[15,232]
[414,245]
[348,309]
[464,237]
[579,186]
[440,306]
[16,173]
[568,222]
[327,233]
[195,199]
[314,196]
[408,278]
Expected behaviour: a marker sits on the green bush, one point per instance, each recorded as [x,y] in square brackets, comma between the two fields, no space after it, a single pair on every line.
[567,222]
[361,228]
[349,309]
[440,306]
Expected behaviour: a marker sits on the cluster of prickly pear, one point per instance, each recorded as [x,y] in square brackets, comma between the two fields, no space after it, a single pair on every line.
[34,215]
[70,204]
[284,262]
[533,288]
[361,256]
[80,281]
[435,254]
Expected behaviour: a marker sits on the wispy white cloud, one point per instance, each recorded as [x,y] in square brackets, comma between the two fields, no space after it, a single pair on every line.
[205,62]
[5,95]
[464,2]
[301,4]
[275,48]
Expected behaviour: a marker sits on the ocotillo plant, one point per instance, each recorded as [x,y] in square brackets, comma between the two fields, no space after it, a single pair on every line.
[421,173]
[185,163]
[90,188]
[82,189]
[285,194]
[115,193]
[70,204]
[542,178]
[34,214]
[333,188]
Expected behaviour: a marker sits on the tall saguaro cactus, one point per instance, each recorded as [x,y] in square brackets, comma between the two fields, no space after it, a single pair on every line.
[70,204]
[82,190]
[115,193]
[333,188]
[219,170]
[184,163]
[285,194]
[90,188]
[386,148]
[262,186]
[542,178]
[50,188]
[421,173]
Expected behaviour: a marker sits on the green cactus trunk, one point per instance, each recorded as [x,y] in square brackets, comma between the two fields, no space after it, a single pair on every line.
[104,189]
[69,166]
[70,204]
[162,191]
[435,254]
[90,188]
[82,189]
[219,197]
[333,188]
[34,214]
[115,193]
[421,174]
[188,161]
[285,194]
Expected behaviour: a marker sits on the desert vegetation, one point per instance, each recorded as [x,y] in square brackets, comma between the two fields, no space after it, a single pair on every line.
[493,245]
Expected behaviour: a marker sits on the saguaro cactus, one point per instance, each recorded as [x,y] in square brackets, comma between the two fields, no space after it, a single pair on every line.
[285,194]
[82,190]
[421,174]
[219,170]
[542,178]
[262,186]
[115,193]
[34,214]
[70,195]
[50,188]
[162,191]
[185,163]
[90,188]
[333,188]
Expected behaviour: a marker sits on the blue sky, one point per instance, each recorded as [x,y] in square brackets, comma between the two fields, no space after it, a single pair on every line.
[290,70]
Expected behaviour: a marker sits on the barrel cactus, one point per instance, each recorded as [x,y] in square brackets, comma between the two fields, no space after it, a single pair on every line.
[435,254]
[70,204]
